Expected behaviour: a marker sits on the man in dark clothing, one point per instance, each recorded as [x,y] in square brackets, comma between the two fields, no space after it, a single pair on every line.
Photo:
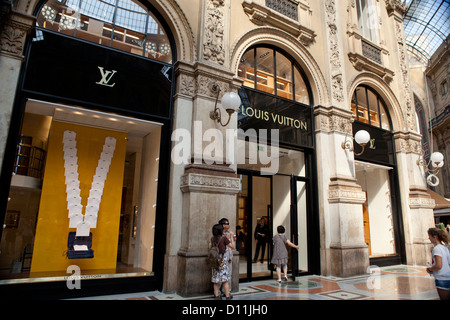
[261,236]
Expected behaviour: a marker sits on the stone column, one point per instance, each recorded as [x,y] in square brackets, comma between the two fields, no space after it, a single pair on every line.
[14,27]
[343,249]
[417,205]
[208,184]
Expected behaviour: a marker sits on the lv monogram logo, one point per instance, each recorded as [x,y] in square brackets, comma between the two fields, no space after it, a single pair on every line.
[106,77]
[372,144]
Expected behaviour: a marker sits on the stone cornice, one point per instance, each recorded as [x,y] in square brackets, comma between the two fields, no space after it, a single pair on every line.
[408,142]
[419,198]
[329,119]
[345,190]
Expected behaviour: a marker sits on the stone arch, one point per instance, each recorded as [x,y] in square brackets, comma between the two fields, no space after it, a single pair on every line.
[293,47]
[393,105]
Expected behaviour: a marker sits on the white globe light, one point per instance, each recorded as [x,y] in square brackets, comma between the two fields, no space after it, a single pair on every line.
[362,137]
[436,158]
[231,101]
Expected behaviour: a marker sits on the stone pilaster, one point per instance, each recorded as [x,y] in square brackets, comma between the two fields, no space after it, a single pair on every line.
[417,205]
[14,27]
[209,194]
[344,252]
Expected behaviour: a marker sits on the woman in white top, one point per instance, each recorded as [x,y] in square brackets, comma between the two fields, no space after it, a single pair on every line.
[441,261]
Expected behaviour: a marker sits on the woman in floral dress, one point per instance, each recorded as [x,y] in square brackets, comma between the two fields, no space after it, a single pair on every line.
[222,273]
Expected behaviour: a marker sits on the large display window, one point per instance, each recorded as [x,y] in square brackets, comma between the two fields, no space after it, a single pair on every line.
[376,173]
[94,204]
[85,190]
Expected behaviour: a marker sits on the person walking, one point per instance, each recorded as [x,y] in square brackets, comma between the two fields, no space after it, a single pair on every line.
[280,253]
[440,267]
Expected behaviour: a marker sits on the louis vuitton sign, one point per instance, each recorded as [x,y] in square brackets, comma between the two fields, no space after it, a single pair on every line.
[265,111]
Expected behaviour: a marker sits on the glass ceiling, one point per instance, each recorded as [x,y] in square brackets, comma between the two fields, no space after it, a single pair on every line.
[427,25]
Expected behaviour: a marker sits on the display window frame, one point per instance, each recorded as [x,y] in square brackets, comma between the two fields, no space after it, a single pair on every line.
[94,286]
[380,153]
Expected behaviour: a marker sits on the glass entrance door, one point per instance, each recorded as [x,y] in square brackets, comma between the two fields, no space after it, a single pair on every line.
[265,203]
[254,232]
[290,211]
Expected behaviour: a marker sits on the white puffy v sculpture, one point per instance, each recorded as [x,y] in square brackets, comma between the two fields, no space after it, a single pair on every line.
[84,222]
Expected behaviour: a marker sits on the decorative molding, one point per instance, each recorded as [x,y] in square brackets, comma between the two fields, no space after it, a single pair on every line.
[199,78]
[396,6]
[196,182]
[419,198]
[408,142]
[337,86]
[408,109]
[264,16]
[185,41]
[362,63]
[332,119]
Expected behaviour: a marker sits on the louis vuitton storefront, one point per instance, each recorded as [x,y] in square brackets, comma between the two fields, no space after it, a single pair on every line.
[89,152]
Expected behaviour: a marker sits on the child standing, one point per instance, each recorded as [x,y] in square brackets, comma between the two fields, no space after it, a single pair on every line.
[280,253]
[441,262]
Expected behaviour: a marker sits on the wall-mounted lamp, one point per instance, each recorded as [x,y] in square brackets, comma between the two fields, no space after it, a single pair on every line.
[362,137]
[230,102]
[437,162]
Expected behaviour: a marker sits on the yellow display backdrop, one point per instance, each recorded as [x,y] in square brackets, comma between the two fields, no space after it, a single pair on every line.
[53,223]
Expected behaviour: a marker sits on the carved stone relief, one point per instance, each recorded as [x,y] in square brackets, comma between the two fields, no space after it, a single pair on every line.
[213,38]
[15,30]
[406,89]
[337,86]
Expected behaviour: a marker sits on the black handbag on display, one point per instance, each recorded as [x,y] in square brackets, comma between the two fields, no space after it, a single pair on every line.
[73,240]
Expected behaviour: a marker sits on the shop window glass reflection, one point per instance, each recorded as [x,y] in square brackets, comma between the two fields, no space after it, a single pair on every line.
[270,71]
[265,80]
[384,118]
[284,77]
[368,107]
[122,24]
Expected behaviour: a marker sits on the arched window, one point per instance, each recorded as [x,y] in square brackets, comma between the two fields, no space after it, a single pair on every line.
[368,107]
[126,25]
[269,70]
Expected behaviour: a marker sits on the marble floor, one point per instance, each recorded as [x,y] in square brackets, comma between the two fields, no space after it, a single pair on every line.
[399,282]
